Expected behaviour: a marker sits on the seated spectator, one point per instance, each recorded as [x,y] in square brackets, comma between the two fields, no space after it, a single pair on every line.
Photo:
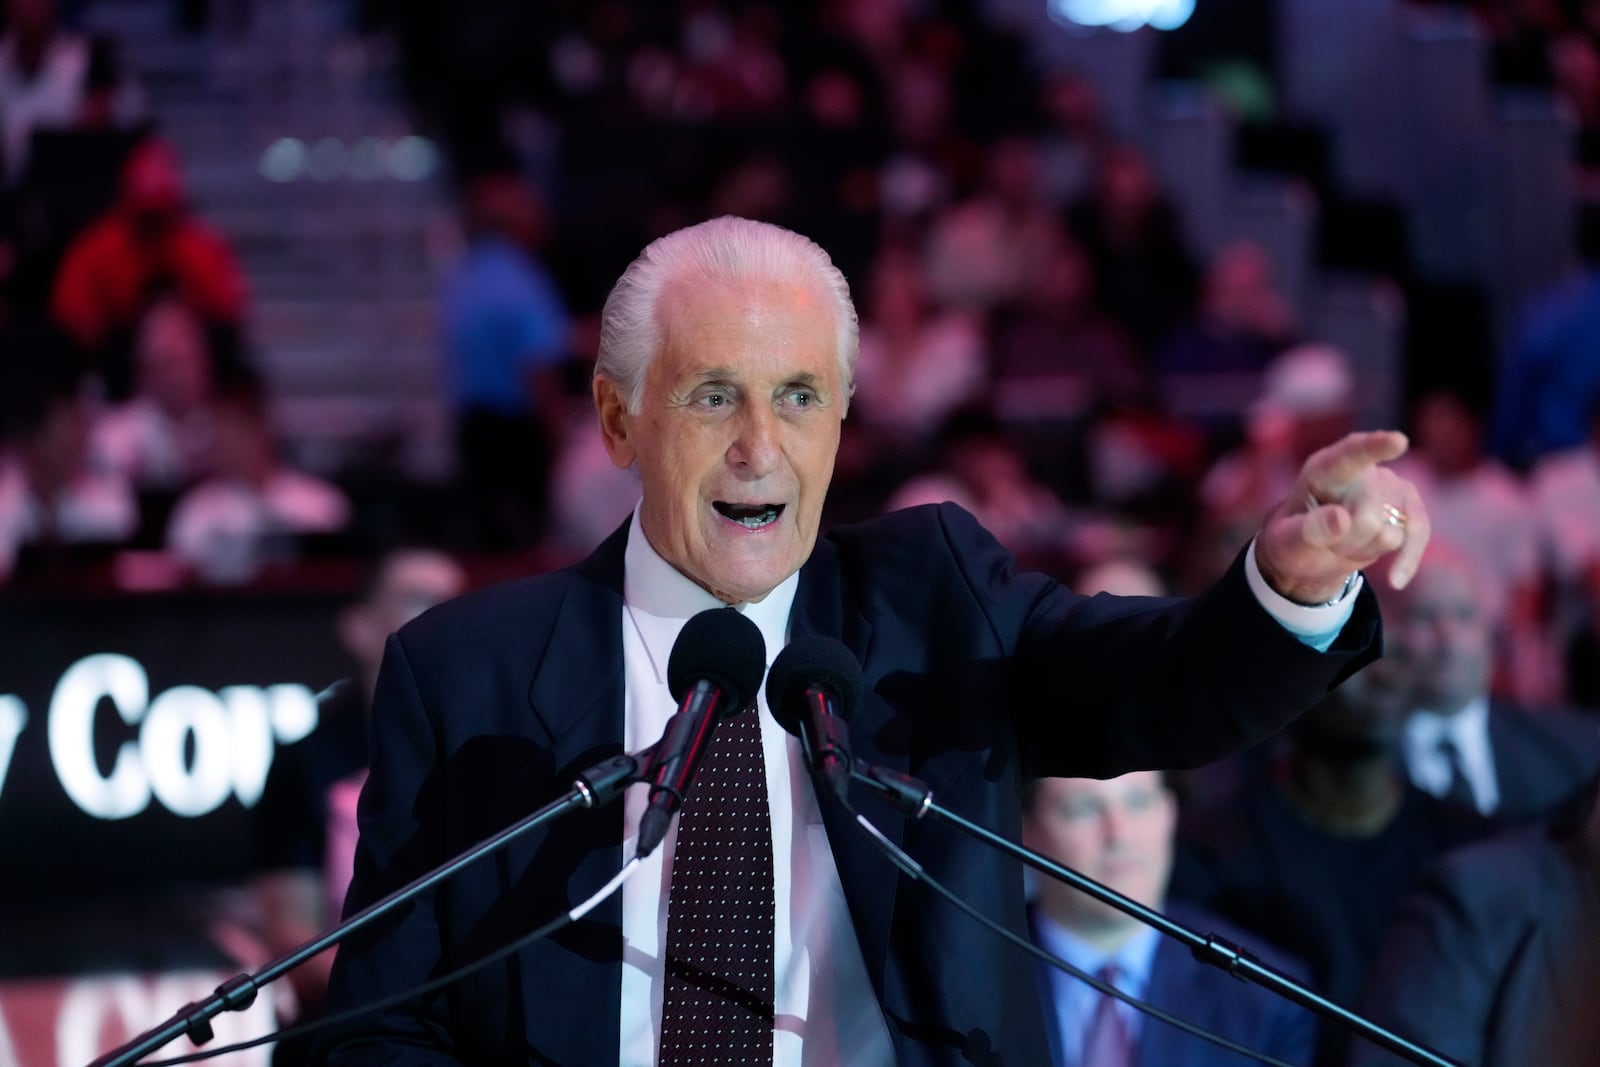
[980,470]
[983,251]
[51,78]
[1549,382]
[251,508]
[1210,368]
[918,363]
[1565,487]
[1486,513]
[50,498]
[149,243]
[1461,743]
[1119,833]
[1056,356]
[162,437]
[1494,960]
[1075,136]
[302,837]
[1307,401]
[506,336]
[1314,852]
[1133,237]
[590,496]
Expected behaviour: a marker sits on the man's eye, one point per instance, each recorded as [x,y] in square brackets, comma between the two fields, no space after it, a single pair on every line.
[714,400]
[802,398]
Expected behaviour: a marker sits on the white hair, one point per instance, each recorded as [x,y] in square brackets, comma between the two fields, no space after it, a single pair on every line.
[722,249]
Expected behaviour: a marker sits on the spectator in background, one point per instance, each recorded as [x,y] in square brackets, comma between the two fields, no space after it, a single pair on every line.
[981,471]
[1485,512]
[162,437]
[1550,380]
[1315,853]
[1057,357]
[1566,500]
[1135,241]
[983,251]
[303,828]
[1119,832]
[52,79]
[1495,959]
[918,361]
[50,498]
[1307,401]
[1211,366]
[149,244]
[1074,138]
[1460,743]
[505,340]
[252,509]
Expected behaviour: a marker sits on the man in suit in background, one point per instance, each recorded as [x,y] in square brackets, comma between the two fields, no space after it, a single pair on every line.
[1495,959]
[1504,761]
[1120,832]
[726,359]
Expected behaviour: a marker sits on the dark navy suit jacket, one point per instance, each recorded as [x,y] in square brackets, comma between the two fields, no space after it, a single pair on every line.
[1210,999]
[1540,758]
[977,677]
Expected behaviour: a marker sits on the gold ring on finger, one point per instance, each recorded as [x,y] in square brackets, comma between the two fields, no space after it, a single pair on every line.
[1394,516]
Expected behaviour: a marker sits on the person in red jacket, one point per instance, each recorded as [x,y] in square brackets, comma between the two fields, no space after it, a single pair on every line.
[149,244]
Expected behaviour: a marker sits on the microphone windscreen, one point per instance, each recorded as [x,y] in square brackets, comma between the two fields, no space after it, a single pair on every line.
[722,647]
[812,660]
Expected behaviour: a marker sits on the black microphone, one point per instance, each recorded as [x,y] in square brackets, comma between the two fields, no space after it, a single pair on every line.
[813,690]
[714,671]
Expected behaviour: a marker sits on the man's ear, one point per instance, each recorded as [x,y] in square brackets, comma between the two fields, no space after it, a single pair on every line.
[615,421]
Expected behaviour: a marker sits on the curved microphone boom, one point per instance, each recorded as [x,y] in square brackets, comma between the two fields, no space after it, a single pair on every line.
[714,671]
[814,689]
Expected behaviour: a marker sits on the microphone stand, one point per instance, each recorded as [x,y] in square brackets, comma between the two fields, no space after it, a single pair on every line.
[913,798]
[597,786]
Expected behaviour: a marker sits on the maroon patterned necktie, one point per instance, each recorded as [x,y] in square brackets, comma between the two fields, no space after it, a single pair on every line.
[718,1001]
[1107,1043]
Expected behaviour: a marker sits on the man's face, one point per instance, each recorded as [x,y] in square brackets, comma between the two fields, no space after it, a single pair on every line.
[1118,832]
[736,432]
[1442,641]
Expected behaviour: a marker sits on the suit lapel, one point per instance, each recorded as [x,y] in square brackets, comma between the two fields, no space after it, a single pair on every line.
[1171,972]
[576,698]
[822,605]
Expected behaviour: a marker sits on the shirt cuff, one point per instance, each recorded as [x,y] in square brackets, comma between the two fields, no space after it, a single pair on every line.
[1315,626]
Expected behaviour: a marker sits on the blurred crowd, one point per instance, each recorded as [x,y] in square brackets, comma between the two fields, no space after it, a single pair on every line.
[1040,342]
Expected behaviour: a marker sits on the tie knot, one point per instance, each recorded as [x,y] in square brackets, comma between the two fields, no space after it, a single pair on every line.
[1110,974]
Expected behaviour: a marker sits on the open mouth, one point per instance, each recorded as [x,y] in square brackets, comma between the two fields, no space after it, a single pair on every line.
[750,516]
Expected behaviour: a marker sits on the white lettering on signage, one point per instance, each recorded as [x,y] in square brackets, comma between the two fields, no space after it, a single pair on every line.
[233,733]
[13,717]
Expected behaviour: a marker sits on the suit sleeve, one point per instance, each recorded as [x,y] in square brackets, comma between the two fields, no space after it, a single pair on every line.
[402,950]
[1110,684]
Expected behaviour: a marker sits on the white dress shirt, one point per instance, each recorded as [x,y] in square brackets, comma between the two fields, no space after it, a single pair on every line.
[826,1010]
[1468,729]
[1075,1001]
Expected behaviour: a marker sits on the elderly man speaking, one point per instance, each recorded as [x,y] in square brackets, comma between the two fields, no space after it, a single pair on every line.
[726,358]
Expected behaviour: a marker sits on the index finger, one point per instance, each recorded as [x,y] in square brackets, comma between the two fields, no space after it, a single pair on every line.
[1340,463]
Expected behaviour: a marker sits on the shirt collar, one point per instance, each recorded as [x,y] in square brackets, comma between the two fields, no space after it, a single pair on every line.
[660,599]
[1133,960]
[1426,728]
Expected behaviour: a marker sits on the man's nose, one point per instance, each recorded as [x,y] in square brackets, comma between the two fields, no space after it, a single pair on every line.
[755,446]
